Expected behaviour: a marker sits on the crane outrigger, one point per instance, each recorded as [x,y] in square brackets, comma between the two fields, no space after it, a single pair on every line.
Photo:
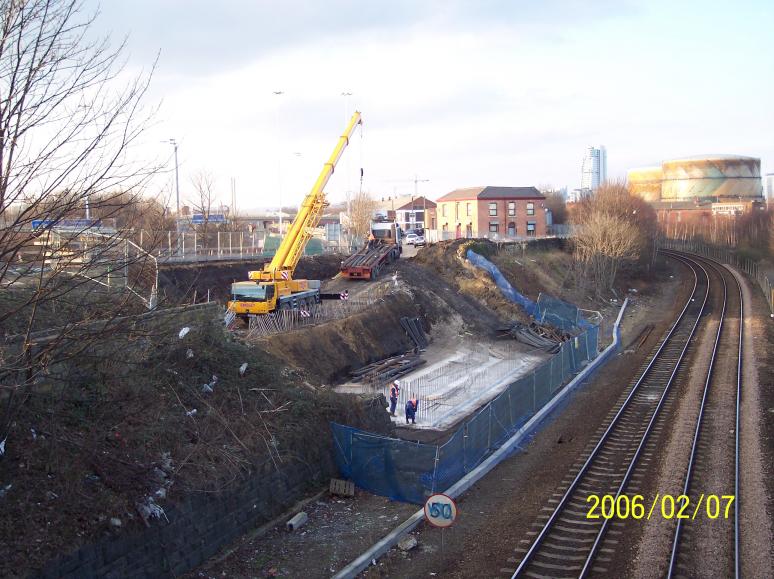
[274,287]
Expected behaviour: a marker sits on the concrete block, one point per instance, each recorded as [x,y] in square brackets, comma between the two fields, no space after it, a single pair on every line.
[296,521]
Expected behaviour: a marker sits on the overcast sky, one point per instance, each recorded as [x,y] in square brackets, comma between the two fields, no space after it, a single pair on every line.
[461,93]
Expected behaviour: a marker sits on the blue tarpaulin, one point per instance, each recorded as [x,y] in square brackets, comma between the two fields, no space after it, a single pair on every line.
[506,288]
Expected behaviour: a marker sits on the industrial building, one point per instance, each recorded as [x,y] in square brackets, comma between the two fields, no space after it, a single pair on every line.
[701,193]
[708,178]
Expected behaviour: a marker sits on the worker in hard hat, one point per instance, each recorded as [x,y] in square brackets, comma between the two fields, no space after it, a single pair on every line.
[371,240]
[411,410]
[394,393]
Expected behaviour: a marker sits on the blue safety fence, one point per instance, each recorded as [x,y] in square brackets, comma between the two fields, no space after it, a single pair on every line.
[505,287]
[558,313]
[410,472]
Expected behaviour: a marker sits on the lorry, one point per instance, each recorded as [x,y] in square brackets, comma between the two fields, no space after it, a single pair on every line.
[273,287]
[374,256]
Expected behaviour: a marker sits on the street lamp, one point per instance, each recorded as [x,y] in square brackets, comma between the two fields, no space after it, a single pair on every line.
[177,178]
[173,142]
[346,95]
[424,200]
[279,163]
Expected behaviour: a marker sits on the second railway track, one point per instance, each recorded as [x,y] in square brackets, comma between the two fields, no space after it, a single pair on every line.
[708,545]
[566,542]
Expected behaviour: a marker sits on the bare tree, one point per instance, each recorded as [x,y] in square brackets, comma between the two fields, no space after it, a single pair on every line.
[613,227]
[362,211]
[204,187]
[68,119]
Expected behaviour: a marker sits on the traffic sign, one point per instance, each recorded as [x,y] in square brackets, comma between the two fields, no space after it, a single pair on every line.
[440,510]
[199,218]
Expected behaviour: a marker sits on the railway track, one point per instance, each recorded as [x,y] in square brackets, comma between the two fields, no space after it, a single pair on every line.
[709,545]
[569,544]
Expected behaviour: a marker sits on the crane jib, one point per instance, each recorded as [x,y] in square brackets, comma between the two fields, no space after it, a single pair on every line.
[283,264]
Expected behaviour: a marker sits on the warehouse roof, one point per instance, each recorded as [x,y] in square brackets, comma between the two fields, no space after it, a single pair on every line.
[490,192]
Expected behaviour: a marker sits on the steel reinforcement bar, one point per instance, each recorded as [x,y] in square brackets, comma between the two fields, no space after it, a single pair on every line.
[566,544]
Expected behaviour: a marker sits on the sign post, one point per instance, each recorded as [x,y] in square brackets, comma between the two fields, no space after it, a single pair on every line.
[441,511]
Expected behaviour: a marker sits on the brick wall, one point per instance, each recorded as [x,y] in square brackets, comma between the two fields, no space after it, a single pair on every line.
[503,219]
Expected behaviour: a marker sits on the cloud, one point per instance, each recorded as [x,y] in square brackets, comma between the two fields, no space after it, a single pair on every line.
[458,92]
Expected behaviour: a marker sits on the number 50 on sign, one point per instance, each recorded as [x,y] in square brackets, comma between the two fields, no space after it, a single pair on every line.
[440,510]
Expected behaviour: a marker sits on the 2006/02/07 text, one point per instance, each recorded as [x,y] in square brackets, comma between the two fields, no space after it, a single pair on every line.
[665,506]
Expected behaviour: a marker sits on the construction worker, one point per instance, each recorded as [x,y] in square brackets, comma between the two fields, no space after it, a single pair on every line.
[394,393]
[411,410]
[371,240]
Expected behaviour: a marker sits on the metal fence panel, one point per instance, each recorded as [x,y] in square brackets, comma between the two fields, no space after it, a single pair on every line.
[501,424]
[522,399]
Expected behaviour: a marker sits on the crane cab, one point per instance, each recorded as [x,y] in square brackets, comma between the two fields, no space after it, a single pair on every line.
[254,298]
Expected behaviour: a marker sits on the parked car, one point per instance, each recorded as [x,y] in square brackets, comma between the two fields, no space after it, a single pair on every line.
[411,238]
[419,241]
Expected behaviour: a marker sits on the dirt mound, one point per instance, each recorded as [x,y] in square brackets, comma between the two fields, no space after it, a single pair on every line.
[83,453]
[179,283]
[328,352]
[446,261]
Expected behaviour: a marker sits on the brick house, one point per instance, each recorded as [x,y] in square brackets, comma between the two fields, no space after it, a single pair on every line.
[412,214]
[494,212]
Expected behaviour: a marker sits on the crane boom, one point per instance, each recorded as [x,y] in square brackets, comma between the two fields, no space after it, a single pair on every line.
[283,265]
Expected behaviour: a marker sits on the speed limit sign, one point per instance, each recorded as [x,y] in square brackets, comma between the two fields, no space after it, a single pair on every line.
[440,510]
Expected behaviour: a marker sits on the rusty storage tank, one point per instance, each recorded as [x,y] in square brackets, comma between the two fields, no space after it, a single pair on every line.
[646,182]
[711,176]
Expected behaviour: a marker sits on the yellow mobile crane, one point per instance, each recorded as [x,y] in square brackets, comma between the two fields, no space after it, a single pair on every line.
[273,287]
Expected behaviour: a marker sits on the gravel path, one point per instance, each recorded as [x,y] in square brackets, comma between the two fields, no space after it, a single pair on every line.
[755,512]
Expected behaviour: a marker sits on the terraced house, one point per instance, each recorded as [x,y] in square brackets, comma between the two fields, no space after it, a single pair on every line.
[493,212]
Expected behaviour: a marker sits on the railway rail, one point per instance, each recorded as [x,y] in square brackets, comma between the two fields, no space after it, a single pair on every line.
[569,543]
[713,466]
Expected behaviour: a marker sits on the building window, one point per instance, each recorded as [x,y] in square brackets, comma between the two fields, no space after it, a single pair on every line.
[443,210]
[493,209]
[511,208]
[530,208]
[469,209]
[530,229]
[456,211]
[512,229]
[493,226]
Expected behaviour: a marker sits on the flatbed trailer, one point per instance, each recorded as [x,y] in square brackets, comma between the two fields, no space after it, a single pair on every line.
[368,263]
